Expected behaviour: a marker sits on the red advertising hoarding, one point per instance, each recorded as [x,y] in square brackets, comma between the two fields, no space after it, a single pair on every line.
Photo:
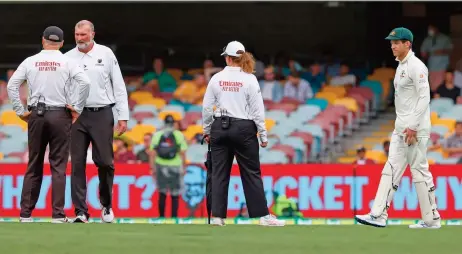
[320,190]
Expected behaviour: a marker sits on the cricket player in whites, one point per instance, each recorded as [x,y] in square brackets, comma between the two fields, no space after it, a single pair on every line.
[408,143]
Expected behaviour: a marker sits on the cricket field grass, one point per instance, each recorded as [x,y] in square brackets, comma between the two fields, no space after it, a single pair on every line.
[46,238]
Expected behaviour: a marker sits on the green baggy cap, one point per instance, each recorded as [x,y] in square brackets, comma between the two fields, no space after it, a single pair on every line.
[400,33]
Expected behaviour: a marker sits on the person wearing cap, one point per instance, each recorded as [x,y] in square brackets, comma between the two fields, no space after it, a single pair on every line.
[52,78]
[96,124]
[232,130]
[408,144]
[167,159]
[361,157]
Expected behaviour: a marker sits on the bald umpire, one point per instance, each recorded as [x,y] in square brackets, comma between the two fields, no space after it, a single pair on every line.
[96,124]
[48,75]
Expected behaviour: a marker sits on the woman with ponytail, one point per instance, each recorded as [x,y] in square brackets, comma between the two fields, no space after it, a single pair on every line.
[231,130]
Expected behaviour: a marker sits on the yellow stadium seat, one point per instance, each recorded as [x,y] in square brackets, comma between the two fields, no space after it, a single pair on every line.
[433,117]
[329,96]
[140,95]
[158,102]
[388,73]
[349,103]
[346,160]
[269,123]
[176,115]
[138,131]
[192,130]
[176,73]
[1,156]
[431,162]
[450,123]
[340,91]
[377,156]
[193,72]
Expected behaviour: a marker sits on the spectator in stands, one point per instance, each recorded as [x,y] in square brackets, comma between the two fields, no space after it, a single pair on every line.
[210,69]
[361,157]
[331,67]
[315,77]
[386,147]
[344,77]
[453,144]
[271,89]
[144,154]
[458,75]
[297,88]
[436,49]
[448,89]
[3,92]
[124,155]
[159,79]
[190,92]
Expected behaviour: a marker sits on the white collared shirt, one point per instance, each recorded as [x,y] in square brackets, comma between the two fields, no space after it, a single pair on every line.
[239,94]
[412,96]
[107,84]
[52,78]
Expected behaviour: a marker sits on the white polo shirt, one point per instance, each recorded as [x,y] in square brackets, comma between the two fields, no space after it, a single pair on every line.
[107,84]
[239,94]
[412,96]
[52,78]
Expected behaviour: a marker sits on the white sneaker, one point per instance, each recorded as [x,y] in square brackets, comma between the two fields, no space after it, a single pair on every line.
[25,220]
[422,224]
[217,222]
[271,221]
[370,220]
[107,215]
[82,218]
[59,220]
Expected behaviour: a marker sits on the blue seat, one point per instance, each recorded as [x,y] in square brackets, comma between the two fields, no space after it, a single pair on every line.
[138,148]
[274,157]
[299,146]
[195,108]
[6,107]
[277,115]
[321,103]
[448,161]
[376,88]
[145,108]
[177,108]
[12,130]
[282,130]
[156,122]
[318,135]
[12,160]
[441,105]
[378,147]
[11,145]
[309,109]
[440,130]
[271,142]
[435,156]
[131,123]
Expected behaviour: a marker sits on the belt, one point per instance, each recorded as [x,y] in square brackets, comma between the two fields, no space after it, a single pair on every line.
[47,108]
[96,109]
[232,119]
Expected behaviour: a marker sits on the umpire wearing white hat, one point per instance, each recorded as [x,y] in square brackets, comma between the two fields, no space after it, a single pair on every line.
[232,130]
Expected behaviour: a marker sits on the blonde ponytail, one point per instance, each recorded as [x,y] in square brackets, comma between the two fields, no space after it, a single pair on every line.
[246,61]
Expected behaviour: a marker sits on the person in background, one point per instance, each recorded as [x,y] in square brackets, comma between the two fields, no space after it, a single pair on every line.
[3,93]
[453,144]
[386,147]
[143,155]
[315,77]
[297,88]
[167,163]
[448,88]
[271,89]
[361,157]
[159,79]
[210,69]
[344,78]
[436,49]
[191,92]
[124,155]
[458,75]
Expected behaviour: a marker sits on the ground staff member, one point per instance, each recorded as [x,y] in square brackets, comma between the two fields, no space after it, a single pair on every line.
[49,75]
[96,123]
[239,115]
[167,159]
[409,141]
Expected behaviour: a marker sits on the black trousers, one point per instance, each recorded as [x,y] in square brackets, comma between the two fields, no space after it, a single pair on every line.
[53,129]
[239,140]
[94,126]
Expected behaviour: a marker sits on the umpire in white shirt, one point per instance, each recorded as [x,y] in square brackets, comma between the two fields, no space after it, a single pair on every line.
[49,75]
[96,124]
[232,131]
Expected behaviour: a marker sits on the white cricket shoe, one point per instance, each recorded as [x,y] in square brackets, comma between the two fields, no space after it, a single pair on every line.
[271,221]
[422,224]
[107,215]
[59,220]
[82,218]
[217,222]
[369,220]
[25,220]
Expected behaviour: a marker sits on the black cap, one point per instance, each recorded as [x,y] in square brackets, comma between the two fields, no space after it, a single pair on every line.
[169,119]
[53,33]
[361,149]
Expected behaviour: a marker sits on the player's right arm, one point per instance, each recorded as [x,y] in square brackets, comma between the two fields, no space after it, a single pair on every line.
[15,82]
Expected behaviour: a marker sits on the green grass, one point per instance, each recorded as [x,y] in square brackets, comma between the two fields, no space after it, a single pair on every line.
[41,238]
